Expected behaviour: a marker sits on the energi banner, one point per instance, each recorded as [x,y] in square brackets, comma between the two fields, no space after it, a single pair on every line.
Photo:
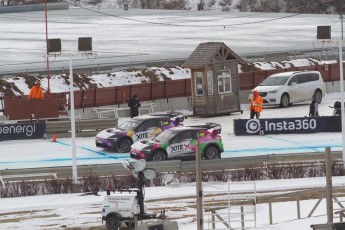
[34,130]
[297,125]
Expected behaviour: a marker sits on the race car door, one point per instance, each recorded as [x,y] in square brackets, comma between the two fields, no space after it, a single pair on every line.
[148,129]
[183,145]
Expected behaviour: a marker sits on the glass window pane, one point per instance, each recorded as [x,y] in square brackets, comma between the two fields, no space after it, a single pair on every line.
[198,83]
[209,83]
[224,81]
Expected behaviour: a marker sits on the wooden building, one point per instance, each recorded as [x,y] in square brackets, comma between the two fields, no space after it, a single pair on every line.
[215,79]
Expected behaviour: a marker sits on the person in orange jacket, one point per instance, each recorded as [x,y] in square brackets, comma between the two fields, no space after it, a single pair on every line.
[36,92]
[255,105]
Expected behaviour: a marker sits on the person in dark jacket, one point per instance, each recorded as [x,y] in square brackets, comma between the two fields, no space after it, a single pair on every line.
[313,108]
[134,104]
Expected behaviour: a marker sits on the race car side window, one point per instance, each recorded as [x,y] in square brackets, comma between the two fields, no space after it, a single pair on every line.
[146,125]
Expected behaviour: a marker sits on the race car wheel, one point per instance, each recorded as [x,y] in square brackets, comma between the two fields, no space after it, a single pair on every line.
[158,155]
[211,152]
[113,223]
[124,145]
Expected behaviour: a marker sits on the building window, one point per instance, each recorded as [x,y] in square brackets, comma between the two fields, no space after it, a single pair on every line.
[209,83]
[198,84]
[224,81]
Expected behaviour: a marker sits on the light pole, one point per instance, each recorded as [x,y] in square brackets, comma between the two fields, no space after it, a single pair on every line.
[84,48]
[74,149]
[341,21]
[47,50]
[342,95]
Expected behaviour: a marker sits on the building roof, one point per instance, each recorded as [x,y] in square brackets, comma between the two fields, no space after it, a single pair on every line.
[211,52]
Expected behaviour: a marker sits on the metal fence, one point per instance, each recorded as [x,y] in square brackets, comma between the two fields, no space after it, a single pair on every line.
[174,165]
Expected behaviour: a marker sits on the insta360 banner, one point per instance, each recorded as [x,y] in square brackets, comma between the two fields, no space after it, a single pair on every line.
[287,125]
[22,131]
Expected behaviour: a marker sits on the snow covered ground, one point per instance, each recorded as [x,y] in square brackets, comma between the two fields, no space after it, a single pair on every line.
[75,210]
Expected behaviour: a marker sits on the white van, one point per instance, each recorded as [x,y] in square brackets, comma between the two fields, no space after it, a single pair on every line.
[286,88]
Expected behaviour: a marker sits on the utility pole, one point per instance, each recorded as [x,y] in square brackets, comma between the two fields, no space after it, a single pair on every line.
[341,21]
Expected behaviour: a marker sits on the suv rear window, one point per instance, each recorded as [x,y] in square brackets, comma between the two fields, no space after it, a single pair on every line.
[313,77]
[307,77]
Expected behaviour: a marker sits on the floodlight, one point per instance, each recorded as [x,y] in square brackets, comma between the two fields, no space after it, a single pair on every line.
[140,165]
[126,165]
[149,174]
[324,32]
[54,45]
[85,44]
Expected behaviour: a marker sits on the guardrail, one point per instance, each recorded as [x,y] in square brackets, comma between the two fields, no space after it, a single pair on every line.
[19,177]
[144,109]
[176,165]
[84,128]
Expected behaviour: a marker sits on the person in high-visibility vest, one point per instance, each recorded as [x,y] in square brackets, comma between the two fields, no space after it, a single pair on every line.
[36,92]
[255,105]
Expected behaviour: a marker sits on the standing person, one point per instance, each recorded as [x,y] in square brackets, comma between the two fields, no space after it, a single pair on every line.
[313,108]
[36,92]
[134,104]
[255,105]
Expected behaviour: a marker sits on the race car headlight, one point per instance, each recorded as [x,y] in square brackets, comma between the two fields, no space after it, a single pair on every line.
[112,138]
[273,91]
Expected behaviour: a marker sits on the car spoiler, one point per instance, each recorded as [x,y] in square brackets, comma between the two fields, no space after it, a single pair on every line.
[171,114]
[210,125]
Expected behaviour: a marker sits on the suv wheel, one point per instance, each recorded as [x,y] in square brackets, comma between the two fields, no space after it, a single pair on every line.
[285,100]
[318,96]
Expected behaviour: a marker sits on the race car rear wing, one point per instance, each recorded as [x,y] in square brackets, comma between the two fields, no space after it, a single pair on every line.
[210,125]
[171,114]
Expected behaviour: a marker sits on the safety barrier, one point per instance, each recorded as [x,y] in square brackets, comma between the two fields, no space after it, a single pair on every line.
[19,177]
[114,112]
[84,128]
[178,166]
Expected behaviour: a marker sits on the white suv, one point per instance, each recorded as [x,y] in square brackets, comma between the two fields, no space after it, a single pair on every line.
[286,88]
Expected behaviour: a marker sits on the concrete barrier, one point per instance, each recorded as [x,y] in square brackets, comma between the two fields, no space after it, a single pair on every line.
[84,127]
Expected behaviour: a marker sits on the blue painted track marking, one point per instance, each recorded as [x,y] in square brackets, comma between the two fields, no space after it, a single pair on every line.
[94,151]
[292,142]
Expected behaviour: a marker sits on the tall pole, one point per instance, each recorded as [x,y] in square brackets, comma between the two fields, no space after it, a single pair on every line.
[199,192]
[341,21]
[74,155]
[329,193]
[47,53]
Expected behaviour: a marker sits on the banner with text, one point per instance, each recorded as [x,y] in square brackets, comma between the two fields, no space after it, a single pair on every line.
[34,130]
[296,125]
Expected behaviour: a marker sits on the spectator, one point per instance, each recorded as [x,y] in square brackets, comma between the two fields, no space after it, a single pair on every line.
[313,108]
[36,92]
[134,104]
[255,105]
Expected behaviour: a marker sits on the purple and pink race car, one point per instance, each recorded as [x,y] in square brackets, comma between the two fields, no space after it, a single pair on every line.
[143,127]
[181,143]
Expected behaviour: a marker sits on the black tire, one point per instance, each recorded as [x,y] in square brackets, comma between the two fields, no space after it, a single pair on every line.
[211,152]
[285,100]
[318,96]
[113,222]
[124,145]
[158,155]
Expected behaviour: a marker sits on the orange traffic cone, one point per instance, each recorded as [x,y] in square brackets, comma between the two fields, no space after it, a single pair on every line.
[54,138]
